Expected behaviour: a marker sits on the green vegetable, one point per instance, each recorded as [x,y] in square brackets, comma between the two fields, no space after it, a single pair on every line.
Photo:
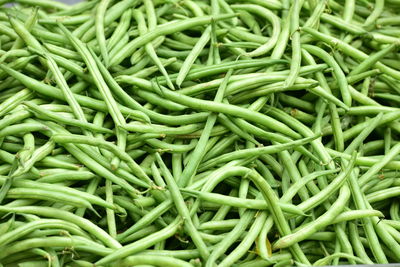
[199,133]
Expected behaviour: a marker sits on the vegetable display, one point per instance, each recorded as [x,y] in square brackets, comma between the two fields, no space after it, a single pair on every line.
[199,133]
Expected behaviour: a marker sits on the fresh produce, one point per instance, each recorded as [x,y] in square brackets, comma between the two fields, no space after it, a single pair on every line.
[199,133]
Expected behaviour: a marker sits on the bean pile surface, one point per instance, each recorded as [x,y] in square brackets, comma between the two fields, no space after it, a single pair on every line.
[199,133]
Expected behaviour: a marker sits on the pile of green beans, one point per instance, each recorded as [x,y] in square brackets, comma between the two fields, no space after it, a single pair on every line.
[199,133]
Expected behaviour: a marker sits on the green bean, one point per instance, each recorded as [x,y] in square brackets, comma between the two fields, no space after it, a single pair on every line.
[170,147]
[88,32]
[300,115]
[277,214]
[371,235]
[205,37]
[112,227]
[43,3]
[122,27]
[6,226]
[50,161]
[64,215]
[42,113]
[127,204]
[382,194]
[350,27]
[179,254]
[121,43]
[98,142]
[373,59]
[48,36]
[356,214]
[15,100]
[161,129]
[65,20]
[91,163]
[292,190]
[66,175]
[79,242]
[29,23]
[246,242]
[220,146]
[281,257]
[66,90]
[182,209]
[379,165]
[378,9]
[148,47]
[20,63]
[349,9]
[358,246]
[269,89]
[393,211]
[72,67]
[55,93]
[164,30]
[370,110]
[227,109]
[99,81]
[223,67]
[140,53]
[146,219]
[341,79]
[239,202]
[99,21]
[250,22]
[8,183]
[329,189]
[37,155]
[7,31]
[295,37]
[367,130]
[171,120]
[322,220]
[244,158]
[60,189]
[273,19]
[142,244]
[238,86]
[386,118]
[222,246]
[260,133]
[351,51]
[155,99]
[199,151]
[21,202]
[219,225]
[323,261]
[24,34]
[47,195]
[25,229]
[229,124]
[313,20]
[141,233]
[155,260]
[365,161]
[149,71]
[14,53]
[254,152]
[269,197]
